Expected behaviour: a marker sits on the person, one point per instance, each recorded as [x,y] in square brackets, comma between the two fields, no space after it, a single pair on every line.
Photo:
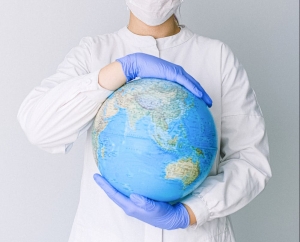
[153,44]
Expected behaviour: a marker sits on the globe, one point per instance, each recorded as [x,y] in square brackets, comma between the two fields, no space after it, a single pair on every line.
[155,138]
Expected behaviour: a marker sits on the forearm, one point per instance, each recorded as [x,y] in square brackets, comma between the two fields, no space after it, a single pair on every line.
[242,174]
[111,77]
[55,113]
[191,214]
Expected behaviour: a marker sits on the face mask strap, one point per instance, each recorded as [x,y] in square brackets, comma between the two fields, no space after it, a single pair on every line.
[177,15]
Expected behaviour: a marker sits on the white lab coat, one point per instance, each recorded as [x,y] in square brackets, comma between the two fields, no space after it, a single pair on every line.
[55,113]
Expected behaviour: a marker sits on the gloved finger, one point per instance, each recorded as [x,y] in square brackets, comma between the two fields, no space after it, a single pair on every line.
[207,100]
[109,190]
[205,97]
[143,202]
[194,87]
[120,199]
[189,85]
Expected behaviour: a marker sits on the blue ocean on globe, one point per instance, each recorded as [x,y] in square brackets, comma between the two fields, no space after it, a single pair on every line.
[155,138]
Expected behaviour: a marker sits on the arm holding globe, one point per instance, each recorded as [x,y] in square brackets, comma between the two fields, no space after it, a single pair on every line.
[142,65]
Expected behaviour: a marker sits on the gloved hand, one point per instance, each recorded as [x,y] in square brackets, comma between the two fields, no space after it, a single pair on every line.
[158,214]
[144,65]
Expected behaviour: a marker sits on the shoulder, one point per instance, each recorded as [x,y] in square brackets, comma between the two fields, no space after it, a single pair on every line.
[99,39]
[208,44]
[102,40]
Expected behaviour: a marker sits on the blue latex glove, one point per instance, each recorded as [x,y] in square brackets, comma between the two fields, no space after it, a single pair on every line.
[158,214]
[144,65]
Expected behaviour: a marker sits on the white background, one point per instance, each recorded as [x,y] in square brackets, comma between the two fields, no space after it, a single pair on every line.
[39,192]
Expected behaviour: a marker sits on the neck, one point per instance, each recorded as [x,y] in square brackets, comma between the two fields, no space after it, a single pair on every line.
[166,29]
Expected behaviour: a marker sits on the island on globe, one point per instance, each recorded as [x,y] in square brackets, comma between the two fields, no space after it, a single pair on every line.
[155,138]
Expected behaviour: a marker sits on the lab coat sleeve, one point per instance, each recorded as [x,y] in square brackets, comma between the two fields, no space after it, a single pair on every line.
[55,113]
[244,166]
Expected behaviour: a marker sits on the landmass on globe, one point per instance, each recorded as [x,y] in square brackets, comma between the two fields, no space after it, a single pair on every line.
[185,170]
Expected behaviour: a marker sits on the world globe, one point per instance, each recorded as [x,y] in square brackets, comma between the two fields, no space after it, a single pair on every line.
[155,138]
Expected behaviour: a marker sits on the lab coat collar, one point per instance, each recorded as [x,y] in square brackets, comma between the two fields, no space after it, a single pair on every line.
[162,43]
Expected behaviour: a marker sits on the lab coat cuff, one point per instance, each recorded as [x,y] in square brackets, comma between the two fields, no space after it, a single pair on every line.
[199,207]
[94,90]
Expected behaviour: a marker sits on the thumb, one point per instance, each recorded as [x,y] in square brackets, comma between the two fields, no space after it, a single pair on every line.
[142,202]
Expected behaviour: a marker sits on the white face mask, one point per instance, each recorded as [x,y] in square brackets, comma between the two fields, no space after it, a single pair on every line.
[153,12]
